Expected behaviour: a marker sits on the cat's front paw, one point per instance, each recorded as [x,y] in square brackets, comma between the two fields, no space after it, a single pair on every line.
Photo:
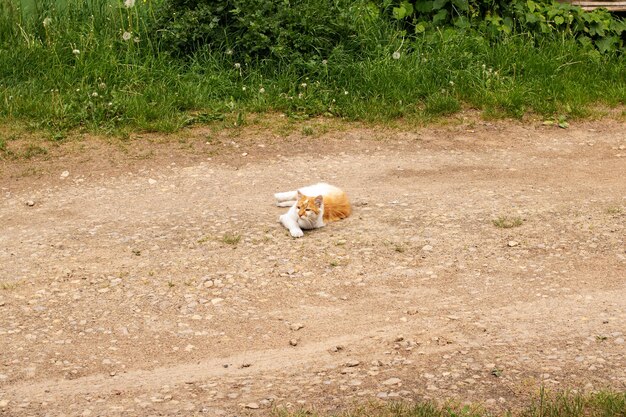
[296,232]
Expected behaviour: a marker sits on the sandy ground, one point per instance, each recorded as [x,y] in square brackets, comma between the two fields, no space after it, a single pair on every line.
[152,278]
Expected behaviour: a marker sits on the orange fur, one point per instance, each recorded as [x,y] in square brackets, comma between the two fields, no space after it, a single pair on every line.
[336,207]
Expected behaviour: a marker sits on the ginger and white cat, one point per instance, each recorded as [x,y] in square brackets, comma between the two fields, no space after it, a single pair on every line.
[312,207]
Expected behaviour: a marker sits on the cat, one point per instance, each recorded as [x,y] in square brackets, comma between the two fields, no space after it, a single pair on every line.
[312,207]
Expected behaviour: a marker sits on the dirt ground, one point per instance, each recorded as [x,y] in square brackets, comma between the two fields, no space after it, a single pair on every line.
[150,277]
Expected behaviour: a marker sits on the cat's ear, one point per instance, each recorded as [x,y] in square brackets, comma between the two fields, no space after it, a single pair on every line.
[319,200]
[300,195]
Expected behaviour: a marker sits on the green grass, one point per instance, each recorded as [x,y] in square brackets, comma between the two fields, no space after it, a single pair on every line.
[113,84]
[231,239]
[507,222]
[603,404]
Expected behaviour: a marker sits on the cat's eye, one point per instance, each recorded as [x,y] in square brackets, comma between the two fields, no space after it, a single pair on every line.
[298,207]
[308,210]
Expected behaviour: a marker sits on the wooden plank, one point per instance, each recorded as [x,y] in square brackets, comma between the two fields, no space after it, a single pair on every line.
[612,5]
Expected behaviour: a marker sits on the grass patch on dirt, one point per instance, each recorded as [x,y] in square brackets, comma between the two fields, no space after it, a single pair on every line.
[605,404]
[231,238]
[507,222]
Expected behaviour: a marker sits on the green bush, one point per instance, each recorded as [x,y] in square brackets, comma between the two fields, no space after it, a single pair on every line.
[496,18]
[251,30]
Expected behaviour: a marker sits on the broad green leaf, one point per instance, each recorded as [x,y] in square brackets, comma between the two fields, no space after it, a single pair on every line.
[424,6]
[420,27]
[440,17]
[607,44]
[408,7]
[462,5]
[531,6]
[439,4]
[399,12]
[559,20]
[531,18]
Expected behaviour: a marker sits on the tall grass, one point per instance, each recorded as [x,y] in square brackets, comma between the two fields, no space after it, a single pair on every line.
[97,65]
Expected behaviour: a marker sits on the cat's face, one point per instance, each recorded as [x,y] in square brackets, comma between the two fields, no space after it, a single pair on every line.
[309,208]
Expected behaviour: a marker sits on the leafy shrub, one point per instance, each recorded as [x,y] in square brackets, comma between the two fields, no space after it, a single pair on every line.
[500,17]
[296,30]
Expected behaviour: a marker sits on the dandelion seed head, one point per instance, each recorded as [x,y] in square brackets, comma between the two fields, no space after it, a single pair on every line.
[136,39]
[451,82]
[94,94]
[396,55]
[126,36]
[303,85]
[46,22]
[129,3]
[325,62]
[229,52]
[237,65]
[261,90]
[346,93]
[300,95]
[75,51]
[102,86]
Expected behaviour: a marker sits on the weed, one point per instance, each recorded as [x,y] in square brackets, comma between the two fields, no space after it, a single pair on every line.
[231,239]
[308,131]
[505,222]
[545,404]
[615,210]
[334,263]
[203,239]
[33,150]
[8,285]
[399,248]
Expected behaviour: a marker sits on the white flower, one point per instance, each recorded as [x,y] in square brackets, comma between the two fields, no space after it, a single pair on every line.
[262,90]
[76,52]
[324,62]
[102,86]
[126,36]
[136,39]
[237,65]
[345,93]
[300,95]
[129,3]
[303,85]
[451,82]
[94,94]
[243,88]
[46,22]
[229,52]
[396,55]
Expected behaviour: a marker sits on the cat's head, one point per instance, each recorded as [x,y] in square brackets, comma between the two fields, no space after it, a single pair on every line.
[309,208]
